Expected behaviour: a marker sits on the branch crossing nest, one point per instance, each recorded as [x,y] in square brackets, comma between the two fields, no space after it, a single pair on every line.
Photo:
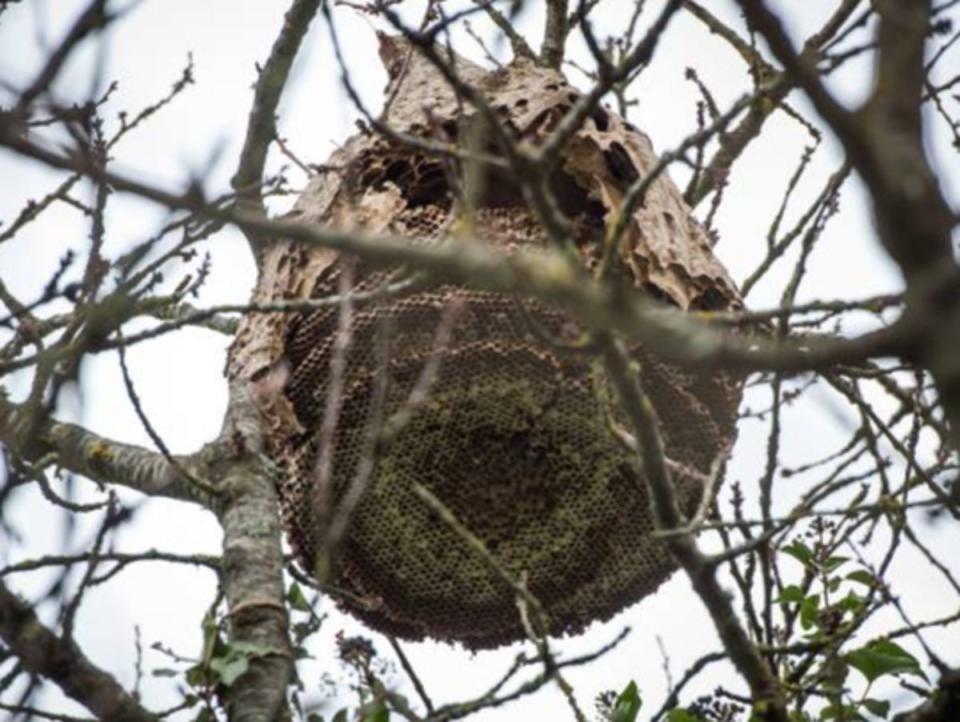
[514,437]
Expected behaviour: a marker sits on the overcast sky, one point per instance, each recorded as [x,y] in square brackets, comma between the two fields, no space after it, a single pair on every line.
[179,377]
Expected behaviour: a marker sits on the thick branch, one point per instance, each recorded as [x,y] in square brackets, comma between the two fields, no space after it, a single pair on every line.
[42,652]
[518,43]
[98,458]
[252,565]
[554,34]
[261,126]
[543,274]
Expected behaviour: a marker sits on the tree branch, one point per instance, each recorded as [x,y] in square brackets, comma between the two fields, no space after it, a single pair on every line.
[765,689]
[884,142]
[554,34]
[252,564]
[262,125]
[42,652]
[93,19]
[943,705]
[541,273]
[98,458]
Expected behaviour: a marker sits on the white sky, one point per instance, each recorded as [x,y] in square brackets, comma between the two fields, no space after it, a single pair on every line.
[179,377]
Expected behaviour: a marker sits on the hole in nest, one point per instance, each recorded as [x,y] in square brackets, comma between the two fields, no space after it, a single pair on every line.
[601,119]
[396,171]
[656,293]
[450,129]
[710,300]
[429,189]
[619,164]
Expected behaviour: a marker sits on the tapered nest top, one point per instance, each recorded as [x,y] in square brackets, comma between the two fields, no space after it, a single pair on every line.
[514,437]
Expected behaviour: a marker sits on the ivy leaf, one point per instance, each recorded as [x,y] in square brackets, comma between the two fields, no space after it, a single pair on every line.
[792,594]
[844,712]
[197,676]
[808,611]
[863,577]
[831,563]
[228,669]
[628,704]
[376,711]
[205,715]
[249,649]
[302,630]
[799,551]
[851,603]
[883,657]
[296,598]
[879,707]
[682,715]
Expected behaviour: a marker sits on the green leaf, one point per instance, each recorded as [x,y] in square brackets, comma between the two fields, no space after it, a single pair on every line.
[302,630]
[296,598]
[863,577]
[808,611]
[197,676]
[340,716]
[210,629]
[228,669]
[249,649]
[881,658]
[879,707]
[213,644]
[844,712]
[799,551]
[834,673]
[376,711]
[792,594]
[851,603]
[682,715]
[831,563]
[628,704]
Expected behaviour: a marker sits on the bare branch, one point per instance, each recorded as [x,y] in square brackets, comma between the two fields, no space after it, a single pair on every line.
[261,126]
[93,19]
[554,34]
[253,565]
[42,652]
[768,699]
[98,458]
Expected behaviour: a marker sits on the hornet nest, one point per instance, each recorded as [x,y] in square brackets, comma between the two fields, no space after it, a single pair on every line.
[514,437]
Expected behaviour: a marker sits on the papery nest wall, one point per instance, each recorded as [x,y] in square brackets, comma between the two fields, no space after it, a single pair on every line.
[515,436]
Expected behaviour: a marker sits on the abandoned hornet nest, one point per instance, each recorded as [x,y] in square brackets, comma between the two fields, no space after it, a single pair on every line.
[514,438]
